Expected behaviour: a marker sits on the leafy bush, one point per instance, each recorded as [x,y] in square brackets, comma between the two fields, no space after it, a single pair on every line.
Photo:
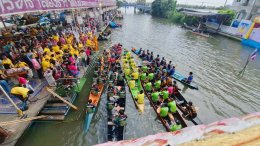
[180,18]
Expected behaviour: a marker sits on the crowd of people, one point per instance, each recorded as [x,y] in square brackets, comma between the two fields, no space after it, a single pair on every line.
[160,63]
[45,52]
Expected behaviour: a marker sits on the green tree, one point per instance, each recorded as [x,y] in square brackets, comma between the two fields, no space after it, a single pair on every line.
[163,8]
[119,3]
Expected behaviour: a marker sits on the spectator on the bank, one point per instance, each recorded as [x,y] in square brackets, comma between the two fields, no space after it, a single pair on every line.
[7,63]
[5,86]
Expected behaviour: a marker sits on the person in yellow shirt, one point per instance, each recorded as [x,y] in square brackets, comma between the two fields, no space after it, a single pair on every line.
[56,48]
[80,45]
[7,63]
[140,97]
[56,38]
[21,64]
[65,47]
[23,94]
[135,75]
[96,43]
[46,50]
[46,64]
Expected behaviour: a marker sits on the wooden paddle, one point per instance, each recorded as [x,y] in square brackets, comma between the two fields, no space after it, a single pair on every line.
[61,98]
[21,120]
[19,111]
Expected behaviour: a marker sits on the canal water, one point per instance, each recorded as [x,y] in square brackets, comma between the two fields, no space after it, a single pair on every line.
[215,62]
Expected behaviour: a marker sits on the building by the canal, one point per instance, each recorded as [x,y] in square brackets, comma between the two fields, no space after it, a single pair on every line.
[246,9]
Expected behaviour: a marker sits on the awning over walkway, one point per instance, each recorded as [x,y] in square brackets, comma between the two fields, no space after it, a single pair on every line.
[204,14]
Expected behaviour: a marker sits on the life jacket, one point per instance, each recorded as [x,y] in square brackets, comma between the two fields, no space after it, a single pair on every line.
[172,106]
[175,127]
[132,84]
[148,86]
[140,98]
[164,112]
[155,96]
[143,76]
[151,76]
[157,84]
[144,68]
[121,120]
[165,94]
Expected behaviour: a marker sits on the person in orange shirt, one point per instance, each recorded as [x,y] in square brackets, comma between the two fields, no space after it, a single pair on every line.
[96,43]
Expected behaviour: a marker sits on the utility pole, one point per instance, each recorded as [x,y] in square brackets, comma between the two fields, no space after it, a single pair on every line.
[225,3]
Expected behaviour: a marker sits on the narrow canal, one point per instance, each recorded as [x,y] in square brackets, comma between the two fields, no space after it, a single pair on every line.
[215,62]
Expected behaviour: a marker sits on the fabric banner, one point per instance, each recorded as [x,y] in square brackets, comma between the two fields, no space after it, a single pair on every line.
[22,6]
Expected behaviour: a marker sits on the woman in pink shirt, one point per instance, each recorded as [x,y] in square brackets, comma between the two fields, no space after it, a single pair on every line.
[88,51]
[73,69]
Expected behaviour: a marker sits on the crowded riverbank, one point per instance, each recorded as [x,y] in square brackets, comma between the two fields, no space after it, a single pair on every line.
[57,55]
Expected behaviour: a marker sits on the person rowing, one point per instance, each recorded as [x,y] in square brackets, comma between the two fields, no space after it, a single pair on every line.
[150,57]
[120,122]
[176,89]
[163,61]
[169,66]
[157,59]
[190,78]
[140,97]
[90,106]
[143,55]
[190,110]
[171,71]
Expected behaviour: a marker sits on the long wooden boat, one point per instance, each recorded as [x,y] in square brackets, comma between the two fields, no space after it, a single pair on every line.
[182,103]
[164,122]
[95,101]
[177,76]
[113,135]
[200,34]
[134,91]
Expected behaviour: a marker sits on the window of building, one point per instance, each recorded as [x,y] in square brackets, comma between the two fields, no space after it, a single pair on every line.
[238,0]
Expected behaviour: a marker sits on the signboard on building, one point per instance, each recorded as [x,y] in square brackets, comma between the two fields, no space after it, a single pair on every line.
[23,6]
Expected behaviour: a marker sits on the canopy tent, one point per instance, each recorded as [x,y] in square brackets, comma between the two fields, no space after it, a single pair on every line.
[206,15]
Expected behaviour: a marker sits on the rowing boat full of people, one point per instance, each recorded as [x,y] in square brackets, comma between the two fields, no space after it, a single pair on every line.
[100,76]
[164,106]
[116,98]
[187,108]
[133,81]
[176,75]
